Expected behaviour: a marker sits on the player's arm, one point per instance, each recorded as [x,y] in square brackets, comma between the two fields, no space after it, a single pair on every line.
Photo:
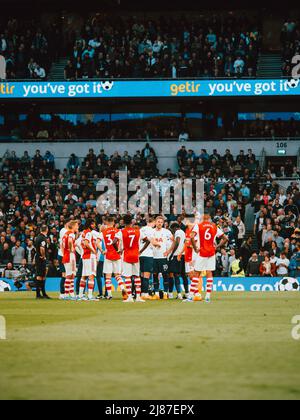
[43,252]
[102,250]
[71,245]
[174,247]
[89,246]
[155,243]
[194,244]
[224,240]
[146,244]
[117,243]
[168,252]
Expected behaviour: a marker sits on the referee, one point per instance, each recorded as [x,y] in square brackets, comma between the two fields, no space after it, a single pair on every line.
[41,263]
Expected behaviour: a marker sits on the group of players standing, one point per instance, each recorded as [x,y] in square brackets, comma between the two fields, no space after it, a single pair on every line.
[134,255]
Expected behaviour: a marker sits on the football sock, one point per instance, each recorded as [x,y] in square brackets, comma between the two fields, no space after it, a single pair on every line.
[145,285]
[62,286]
[171,284]
[71,289]
[138,285]
[120,282]
[99,285]
[156,283]
[91,285]
[82,288]
[166,283]
[108,286]
[67,285]
[38,289]
[194,286]
[128,283]
[186,283]
[209,287]
[177,284]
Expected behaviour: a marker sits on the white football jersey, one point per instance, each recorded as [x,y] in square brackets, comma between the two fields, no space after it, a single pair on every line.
[147,232]
[165,238]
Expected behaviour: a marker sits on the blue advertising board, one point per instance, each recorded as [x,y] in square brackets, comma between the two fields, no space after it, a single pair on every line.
[149,89]
[248,284]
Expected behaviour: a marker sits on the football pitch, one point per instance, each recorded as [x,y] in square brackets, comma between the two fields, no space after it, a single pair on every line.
[239,347]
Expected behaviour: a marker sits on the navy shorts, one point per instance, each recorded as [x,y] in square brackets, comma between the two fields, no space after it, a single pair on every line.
[146,264]
[161,266]
[177,267]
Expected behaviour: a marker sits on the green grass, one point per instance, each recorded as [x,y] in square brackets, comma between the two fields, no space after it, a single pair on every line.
[239,347]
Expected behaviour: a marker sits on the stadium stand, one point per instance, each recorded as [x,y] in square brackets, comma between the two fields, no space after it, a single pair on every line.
[29,48]
[134,47]
[210,46]
[34,127]
[290,39]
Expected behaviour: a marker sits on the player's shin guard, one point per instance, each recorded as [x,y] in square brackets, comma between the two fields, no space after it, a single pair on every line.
[128,284]
[138,285]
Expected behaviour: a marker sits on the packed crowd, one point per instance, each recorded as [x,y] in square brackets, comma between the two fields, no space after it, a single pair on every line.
[290,40]
[33,193]
[210,46]
[28,48]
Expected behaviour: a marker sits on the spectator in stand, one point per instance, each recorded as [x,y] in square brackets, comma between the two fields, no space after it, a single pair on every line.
[266,267]
[282,265]
[253,268]
[39,72]
[18,253]
[173,48]
[241,230]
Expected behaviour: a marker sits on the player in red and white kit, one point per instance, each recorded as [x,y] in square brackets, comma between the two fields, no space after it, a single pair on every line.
[130,237]
[112,262]
[69,258]
[89,260]
[207,233]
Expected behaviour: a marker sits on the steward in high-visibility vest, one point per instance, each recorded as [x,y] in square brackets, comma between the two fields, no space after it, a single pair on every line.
[237,268]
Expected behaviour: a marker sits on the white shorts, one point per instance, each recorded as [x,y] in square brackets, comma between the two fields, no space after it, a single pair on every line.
[112,267]
[205,264]
[130,270]
[89,267]
[190,267]
[70,268]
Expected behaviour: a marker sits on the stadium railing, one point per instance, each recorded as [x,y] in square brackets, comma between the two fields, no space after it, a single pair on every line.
[145,79]
[200,141]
